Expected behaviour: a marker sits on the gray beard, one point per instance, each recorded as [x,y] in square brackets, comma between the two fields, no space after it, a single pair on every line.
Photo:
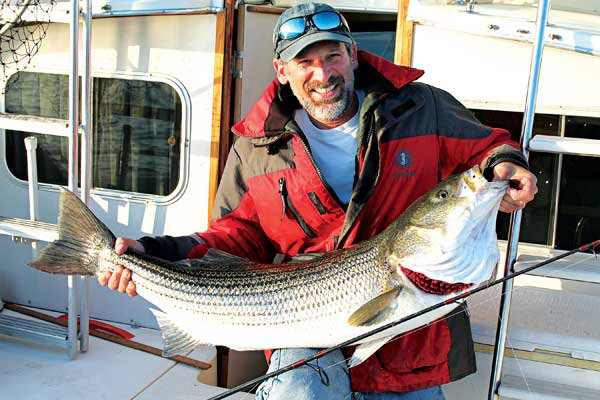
[325,111]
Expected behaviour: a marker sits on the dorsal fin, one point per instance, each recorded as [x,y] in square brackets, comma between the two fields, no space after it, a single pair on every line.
[216,256]
[217,260]
[306,257]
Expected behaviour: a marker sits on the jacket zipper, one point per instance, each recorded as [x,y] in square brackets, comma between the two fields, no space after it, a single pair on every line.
[315,166]
[346,228]
[286,203]
[319,174]
[369,133]
[329,188]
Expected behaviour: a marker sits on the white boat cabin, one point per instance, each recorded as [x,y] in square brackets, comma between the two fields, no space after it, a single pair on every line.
[169,78]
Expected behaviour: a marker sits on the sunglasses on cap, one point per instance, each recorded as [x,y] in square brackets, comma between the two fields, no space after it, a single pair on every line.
[322,21]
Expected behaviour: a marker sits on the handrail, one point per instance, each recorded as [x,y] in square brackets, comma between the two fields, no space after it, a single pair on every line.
[515,221]
[86,161]
[32,175]
[73,281]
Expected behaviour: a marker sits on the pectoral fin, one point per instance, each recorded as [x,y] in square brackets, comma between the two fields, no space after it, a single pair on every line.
[366,350]
[175,340]
[375,310]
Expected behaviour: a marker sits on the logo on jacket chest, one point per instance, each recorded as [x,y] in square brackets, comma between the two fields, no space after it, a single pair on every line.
[403,161]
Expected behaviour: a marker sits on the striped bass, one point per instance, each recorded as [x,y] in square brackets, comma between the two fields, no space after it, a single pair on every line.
[448,235]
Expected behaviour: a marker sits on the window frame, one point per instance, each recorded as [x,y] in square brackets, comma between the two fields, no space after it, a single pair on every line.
[186,123]
[556,190]
[585,261]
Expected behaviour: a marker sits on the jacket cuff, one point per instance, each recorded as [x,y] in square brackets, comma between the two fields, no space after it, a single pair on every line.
[500,154]
[171,248]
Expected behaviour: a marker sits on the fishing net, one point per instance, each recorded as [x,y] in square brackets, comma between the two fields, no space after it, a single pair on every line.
[23,26]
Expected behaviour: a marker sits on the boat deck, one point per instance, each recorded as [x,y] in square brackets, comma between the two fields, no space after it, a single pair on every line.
[34,371]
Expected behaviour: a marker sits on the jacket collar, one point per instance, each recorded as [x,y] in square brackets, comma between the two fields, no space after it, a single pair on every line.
[275,108]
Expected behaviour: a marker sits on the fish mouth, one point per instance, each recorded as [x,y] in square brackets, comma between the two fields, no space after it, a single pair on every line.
[453,265]
[477,183]
[474,179]
[486,202]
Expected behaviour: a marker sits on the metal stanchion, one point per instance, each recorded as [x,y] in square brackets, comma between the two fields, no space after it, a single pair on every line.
[515,221]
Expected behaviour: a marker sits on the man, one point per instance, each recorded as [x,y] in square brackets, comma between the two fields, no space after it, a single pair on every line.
[338,146]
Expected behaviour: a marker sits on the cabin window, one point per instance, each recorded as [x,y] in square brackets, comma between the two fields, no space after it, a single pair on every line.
[374,32]
[379,43]
[136,132]
[537,217]
[574,202]
[579,199]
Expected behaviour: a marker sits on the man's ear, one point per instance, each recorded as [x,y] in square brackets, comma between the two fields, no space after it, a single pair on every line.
[280,67]
[354,56]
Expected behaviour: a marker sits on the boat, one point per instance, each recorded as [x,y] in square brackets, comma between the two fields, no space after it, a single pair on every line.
[161,83]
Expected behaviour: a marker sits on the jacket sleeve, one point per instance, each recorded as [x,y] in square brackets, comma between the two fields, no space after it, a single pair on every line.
[235,227]
[172,248]
[465,142]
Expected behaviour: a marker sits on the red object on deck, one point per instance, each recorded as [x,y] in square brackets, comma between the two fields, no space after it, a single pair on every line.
[103,326]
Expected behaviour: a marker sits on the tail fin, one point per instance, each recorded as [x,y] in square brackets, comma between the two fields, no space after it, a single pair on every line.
[80,237]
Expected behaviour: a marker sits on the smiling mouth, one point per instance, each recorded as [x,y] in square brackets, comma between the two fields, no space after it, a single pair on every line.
[326,92]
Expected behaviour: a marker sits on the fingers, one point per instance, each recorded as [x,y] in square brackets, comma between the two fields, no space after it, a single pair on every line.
[517,199]
[119,279]
[104,278]
[126,285]
[131,289]
[525,182]
[527,188]
[121,245]
[115,278]
[125,280]
[509,205]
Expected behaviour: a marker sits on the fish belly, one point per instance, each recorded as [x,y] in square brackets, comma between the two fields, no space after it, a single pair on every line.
[317,333]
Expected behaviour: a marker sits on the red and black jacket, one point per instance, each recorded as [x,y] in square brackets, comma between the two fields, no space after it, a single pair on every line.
[272,198]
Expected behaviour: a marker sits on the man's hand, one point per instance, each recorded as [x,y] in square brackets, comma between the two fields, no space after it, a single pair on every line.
[516,199]
[121,277]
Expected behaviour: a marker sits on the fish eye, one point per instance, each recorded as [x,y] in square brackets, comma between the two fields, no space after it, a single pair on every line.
[443,194]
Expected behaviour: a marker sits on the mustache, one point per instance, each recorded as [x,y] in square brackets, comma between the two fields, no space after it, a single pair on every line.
[334,80]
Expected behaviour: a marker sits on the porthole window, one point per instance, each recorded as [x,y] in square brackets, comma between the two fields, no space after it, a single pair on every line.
[136,132]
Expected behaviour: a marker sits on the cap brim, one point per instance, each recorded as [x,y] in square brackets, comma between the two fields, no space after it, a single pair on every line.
[321,36]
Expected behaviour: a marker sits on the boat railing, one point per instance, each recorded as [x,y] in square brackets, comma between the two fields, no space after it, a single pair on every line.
[71,338]
[508,386]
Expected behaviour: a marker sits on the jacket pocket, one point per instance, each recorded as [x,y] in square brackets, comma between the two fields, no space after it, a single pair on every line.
[317,203]
[420,349]
[286,204]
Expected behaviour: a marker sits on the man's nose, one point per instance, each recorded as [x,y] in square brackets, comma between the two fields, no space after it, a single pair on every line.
[321,71]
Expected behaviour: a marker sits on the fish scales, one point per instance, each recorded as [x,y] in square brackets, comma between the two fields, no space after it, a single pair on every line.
[448,234]
[299,294]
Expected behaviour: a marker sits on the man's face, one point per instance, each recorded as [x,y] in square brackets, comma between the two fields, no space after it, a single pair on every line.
[322,78]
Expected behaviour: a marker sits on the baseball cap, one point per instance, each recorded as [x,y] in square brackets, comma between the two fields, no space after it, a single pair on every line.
[305,24]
